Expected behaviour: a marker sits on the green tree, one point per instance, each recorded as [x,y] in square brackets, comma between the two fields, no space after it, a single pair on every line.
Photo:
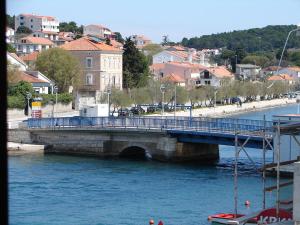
[107,41]
[23,30]
[13,73]
[119,37]
[135,66]
[60,66]
[10,20]
[10,48]
[140,96]
[294,58]
[21,88]
[120,98]
[255,59]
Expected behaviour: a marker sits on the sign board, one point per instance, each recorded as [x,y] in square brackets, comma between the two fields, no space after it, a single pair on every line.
[269,216]
[36,108]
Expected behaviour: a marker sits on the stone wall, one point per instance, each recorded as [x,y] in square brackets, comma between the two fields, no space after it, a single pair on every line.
[46,110]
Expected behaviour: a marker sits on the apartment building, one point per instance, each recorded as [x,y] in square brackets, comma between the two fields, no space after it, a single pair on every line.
[37,23]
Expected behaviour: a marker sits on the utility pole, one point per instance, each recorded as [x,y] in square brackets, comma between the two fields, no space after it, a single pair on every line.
[56,90]
[28,96]
[175,104]
[162,89]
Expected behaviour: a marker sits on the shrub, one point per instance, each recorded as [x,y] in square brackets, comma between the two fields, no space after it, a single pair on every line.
[17,101]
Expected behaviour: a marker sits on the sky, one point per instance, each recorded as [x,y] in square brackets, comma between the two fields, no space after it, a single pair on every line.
[175,18]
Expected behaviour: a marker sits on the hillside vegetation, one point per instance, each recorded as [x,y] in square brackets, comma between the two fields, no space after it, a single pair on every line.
[269,38]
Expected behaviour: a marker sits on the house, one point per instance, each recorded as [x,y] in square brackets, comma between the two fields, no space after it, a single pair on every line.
[64,37]
[37,23]
[283,78]
[40,83]
[175,56]
[102,69]
[293,71]
[10,35]
[97,30]
[187,71]
[17,61]
[52,36]
[214,76]
[175,79]
[270,70]
[140,41]
[30,44]
[247,71]
[116,44]
[30,59]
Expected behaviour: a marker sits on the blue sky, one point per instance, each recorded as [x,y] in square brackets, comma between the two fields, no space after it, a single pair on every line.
[155,18]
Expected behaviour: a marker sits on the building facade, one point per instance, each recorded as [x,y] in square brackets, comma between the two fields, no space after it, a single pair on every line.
[101,69]
[30,44]
[37,23]
[247,71]
[97,30]
[214,76]
[140,41]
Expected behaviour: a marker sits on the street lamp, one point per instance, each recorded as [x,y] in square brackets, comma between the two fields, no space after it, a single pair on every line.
[175,104]
[287,38]
[215,94]
[55,88]
[162,89]
[284,47]
[28,96]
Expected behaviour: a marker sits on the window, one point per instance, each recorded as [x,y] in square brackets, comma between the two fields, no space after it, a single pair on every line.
[21,24]
[31,26]
[88,62]
[114,81]
[206,75]
[207,82]
[89,79]
[31,20]
[21,17]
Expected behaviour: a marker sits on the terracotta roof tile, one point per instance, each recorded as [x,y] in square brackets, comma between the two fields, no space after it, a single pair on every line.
[174,78]
[280,77]
[220,72]
[37,40]
[84,44]
[30,57]
[19,59]
[22,76]
[294,68]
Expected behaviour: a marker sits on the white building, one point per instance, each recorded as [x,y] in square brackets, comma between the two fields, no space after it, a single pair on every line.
[170,55]
[37,23]
[140,40]
[10,35]
[15,60]
[214,76]
[30,44]
[40,83]
[247,71]
[52,36]
[97,30]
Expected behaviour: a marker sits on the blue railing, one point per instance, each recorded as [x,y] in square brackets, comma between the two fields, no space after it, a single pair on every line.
[169,123]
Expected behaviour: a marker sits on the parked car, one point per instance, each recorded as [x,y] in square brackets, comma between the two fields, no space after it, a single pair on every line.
[124,112]
[234,100]
[137,110]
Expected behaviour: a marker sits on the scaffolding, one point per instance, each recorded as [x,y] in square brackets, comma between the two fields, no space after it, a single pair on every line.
[267,134]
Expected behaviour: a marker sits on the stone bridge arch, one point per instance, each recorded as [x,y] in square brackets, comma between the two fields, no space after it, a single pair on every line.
[135,151]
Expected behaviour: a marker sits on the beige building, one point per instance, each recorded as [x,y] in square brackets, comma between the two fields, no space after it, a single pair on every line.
[102,69]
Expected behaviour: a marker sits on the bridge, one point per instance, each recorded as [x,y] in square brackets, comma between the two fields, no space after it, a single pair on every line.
[183,137]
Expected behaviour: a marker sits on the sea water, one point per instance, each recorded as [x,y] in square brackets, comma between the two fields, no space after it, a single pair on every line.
[55,189]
